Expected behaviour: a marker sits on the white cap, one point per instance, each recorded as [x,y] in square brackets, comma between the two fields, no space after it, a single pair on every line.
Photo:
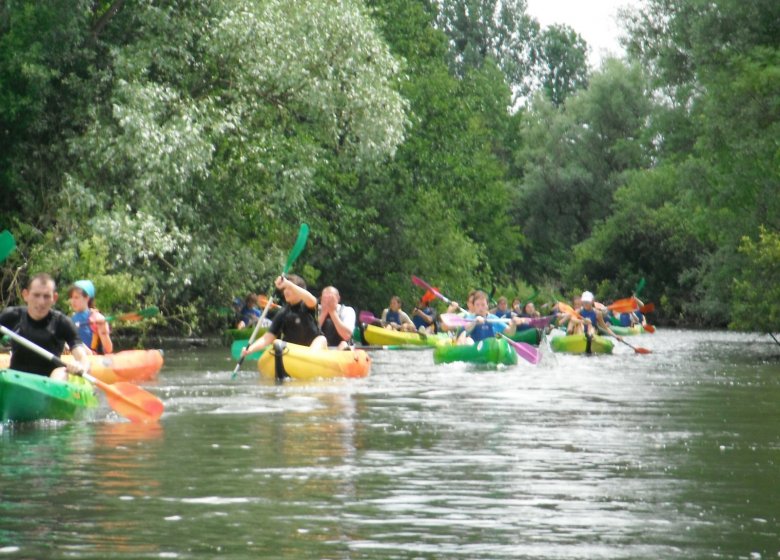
[587,297]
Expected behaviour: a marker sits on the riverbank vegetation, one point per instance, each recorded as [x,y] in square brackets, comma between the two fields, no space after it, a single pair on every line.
[170,151]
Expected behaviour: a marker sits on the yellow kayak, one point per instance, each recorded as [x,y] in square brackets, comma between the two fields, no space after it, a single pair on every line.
[380,336]
[302,362]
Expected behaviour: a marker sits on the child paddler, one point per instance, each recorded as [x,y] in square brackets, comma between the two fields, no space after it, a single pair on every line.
[483,324]
[92,325]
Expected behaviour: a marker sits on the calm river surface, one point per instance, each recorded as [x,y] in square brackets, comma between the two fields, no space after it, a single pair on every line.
[670,455]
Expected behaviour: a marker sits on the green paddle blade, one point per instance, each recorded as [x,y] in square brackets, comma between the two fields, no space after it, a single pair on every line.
[7,244]
[238,345]
[300,245]
[639,287]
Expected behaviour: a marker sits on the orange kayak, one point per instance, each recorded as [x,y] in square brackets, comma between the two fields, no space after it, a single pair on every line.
[127,365]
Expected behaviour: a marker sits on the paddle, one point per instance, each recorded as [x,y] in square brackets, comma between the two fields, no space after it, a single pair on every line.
[300,245]
[566,308]
[422,284]
[127,399]
[455,320]
[238,345]
[523,349]
[629,305]
[132,316]
[368,318]
[7,244]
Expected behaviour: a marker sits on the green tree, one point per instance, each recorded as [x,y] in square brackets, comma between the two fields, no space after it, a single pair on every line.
[562,66]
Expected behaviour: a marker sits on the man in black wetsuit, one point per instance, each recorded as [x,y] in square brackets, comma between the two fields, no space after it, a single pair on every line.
[46,327]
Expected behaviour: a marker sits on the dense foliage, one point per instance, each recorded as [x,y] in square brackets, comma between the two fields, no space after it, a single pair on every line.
[170,150]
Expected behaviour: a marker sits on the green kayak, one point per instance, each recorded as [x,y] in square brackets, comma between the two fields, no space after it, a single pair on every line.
[26,397]
[578,344]
[488,351]
[529,336]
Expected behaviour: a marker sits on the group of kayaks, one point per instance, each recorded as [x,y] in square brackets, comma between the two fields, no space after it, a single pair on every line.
[26,397]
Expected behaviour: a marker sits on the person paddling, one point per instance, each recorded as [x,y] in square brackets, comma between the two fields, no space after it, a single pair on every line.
[484,324]
[591,318]
[92,325]
[49,328]
[295,322]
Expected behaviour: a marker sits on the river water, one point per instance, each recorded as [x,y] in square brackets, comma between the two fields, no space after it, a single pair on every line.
[675,454]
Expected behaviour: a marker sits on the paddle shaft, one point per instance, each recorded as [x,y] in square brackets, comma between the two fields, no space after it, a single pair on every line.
[300,244]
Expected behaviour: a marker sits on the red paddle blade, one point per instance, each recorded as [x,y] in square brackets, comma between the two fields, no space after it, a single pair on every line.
[130,401]
[640,350]
[649,328]
[647,308]
[134,403]
[626,305]
[262,301]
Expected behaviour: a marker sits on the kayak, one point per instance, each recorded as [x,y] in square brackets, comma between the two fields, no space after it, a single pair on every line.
[578,343]
[529,336]
[302,362]
[25,397]
[379,336]
[127,365]
[487,351]
[627,331]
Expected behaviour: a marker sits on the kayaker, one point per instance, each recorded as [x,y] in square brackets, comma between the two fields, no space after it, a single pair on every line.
[484,324]
[296,321]
[336,321]
[424,316]
[93,328]
[249,314]
[49,328]
[592,321]
[395,318]
[502,308]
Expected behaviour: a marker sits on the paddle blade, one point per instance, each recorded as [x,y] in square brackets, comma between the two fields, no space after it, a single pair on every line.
[639,287]
[262,301]
[420,283]
[529,353]
[647,308]
[640,350]
[649,328]
[130,401]
[239,345]
[453,320]
[137,315]
[7,244]
[626,305]
[300,245]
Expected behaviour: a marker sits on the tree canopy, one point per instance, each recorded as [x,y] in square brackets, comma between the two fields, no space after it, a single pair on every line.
[169,151]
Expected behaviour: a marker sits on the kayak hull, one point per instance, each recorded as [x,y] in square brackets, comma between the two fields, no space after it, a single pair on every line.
[379,336]
[127,365]
[302,362]
[627,331]
[578,344]
[529,336]
[25,397]
[492,351]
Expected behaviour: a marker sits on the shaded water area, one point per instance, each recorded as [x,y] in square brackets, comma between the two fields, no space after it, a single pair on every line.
[671,455]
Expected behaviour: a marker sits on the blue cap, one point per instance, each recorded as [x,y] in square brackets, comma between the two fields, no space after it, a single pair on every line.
[87,286]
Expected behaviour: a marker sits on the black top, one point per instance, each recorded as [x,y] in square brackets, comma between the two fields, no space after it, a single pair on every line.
[296,324]
[51,333]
